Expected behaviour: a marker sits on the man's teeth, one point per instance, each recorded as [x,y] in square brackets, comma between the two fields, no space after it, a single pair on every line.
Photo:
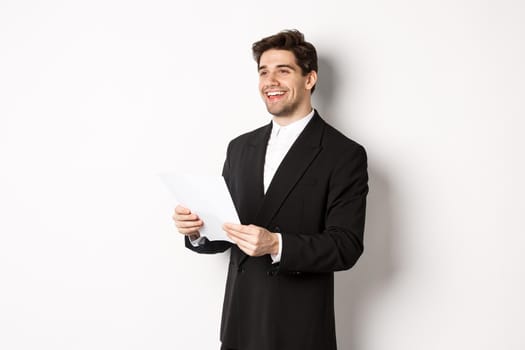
[275,93]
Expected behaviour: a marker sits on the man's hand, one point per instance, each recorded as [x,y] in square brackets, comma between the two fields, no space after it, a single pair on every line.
[187,223]
[253,240]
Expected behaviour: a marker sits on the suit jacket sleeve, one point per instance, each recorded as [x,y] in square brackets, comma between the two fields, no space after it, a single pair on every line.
[340,243]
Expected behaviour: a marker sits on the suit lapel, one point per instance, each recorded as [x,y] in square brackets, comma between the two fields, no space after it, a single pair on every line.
[252,178]
[256,158]
[252,181]
[295,163]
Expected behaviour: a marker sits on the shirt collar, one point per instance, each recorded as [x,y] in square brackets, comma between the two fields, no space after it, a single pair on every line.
[294,128]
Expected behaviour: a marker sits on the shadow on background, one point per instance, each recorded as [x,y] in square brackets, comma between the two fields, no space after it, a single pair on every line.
[323,96]
[356,290]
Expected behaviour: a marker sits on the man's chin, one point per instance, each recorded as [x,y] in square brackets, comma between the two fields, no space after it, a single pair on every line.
[276,111]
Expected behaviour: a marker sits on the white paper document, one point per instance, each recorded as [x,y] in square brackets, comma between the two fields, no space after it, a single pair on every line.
[206,196]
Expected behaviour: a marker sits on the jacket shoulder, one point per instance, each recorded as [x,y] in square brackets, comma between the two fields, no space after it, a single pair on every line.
[335,139]
[249,137]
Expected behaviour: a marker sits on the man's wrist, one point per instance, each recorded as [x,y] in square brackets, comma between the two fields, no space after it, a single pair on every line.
[275,244]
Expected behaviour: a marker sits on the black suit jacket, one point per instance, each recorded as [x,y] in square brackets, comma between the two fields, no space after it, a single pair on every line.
[317,201]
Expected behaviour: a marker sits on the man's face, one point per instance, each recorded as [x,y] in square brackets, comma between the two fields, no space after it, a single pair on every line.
[284,89]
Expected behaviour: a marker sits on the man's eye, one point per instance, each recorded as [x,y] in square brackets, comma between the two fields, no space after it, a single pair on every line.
[262,73]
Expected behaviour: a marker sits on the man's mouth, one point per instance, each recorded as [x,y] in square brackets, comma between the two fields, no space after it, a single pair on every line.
[274,95]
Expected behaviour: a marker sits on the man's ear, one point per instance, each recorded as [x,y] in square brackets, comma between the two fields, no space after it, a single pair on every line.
[311,79]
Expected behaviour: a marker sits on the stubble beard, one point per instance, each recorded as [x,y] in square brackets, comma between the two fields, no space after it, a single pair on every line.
[285,110]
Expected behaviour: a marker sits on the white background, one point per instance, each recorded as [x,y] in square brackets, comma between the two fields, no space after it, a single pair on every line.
[98,97]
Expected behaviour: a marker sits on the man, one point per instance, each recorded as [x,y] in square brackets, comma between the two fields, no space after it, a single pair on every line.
[299,187]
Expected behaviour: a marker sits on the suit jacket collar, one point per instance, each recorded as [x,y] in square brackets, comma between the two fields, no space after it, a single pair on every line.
[255,171]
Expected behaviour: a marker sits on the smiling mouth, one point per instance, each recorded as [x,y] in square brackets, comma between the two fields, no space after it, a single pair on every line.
[274,95]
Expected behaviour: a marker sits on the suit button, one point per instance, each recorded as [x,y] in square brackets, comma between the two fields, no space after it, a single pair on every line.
[240,270]
[271,273]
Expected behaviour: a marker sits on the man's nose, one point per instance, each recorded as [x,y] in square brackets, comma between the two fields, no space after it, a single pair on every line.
[271,79]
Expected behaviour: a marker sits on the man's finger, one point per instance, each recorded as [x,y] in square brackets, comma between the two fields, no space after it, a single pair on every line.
[242,229]
[235,235]
[179,209]
[188,224]
[243,241]
[237,227]
[188,231]
[185,217]
[252,239]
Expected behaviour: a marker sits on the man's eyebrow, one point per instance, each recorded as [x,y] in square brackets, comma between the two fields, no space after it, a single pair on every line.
[285,66]
[278,66]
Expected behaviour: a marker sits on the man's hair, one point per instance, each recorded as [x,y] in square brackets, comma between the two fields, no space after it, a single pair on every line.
[293,41]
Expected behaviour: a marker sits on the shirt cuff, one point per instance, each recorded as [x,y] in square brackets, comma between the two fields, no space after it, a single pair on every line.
[277,257]
[197,241]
